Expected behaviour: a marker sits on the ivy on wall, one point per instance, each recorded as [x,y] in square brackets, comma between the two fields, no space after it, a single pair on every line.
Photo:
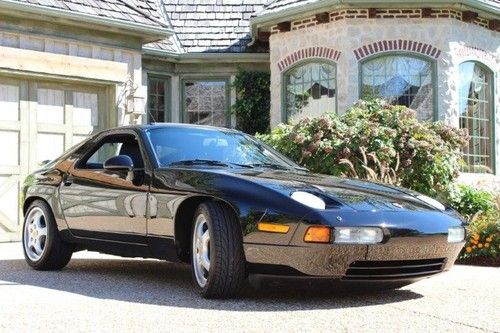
[253,101]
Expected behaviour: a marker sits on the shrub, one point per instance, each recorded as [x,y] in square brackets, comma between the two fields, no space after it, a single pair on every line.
[469,201]
[483,236]
[253,101]
[378,141]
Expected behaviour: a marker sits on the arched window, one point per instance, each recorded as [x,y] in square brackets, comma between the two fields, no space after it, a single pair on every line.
[402,80]
[476,115]
[310,90]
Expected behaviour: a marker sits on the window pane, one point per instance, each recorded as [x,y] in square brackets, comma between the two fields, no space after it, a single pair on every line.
[401,80]
[476,110]
[157,99]
[310,90]
[205,102]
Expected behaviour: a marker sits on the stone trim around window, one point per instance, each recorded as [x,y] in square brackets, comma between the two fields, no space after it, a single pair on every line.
[397,45]
[310,52]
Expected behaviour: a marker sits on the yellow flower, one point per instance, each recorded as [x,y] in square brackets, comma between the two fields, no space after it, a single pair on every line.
[468,249]
[489,239]
[474,242]
[476,237]
[486,244]
[480,245]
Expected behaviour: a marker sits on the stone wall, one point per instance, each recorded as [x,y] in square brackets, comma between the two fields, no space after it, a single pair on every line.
[447,41]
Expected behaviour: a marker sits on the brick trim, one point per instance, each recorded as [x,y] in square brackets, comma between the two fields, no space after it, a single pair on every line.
[310,52]
[466,53]
[392,13]
[397,45]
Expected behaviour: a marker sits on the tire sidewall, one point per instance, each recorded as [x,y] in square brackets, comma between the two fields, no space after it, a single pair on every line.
[50,223]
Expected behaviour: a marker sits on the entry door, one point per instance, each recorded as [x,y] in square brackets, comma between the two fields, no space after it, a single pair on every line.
[39,121]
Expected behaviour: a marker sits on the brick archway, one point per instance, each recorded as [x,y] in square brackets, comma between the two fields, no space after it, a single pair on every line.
[396,45]
[310,52]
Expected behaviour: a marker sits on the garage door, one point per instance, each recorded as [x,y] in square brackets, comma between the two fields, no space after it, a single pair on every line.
[38,121]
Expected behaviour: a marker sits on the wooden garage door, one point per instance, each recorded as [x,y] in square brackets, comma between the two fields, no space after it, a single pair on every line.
[38,121]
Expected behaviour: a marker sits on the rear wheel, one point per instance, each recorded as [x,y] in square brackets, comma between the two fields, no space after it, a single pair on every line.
[218,261]
[43,248]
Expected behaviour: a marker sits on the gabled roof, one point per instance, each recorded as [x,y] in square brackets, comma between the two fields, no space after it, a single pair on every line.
[209,25]
[134,17]
[138,11]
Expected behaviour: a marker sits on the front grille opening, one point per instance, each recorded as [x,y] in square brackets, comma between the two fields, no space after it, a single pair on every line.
[393,269]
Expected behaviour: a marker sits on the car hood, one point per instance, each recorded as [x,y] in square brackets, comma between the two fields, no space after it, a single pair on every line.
[338,193]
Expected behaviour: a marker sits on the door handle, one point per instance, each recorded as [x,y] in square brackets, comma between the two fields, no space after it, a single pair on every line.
[67,179]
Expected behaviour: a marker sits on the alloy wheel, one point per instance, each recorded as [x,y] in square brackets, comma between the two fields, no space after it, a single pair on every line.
[35,234]
[201,250]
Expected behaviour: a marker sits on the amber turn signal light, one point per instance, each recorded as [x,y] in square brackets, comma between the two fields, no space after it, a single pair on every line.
[273,227]
[317,234]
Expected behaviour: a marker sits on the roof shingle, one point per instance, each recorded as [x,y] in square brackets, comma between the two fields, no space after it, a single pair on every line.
[211,25]
[136,11]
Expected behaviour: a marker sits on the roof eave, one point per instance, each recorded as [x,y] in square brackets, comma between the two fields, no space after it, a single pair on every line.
[292,12]
[146,32]
[194,57]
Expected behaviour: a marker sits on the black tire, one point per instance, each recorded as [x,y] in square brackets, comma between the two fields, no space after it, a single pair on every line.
[227,272]
[56,254]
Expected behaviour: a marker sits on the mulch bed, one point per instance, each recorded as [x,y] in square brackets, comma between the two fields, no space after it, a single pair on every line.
[480,261]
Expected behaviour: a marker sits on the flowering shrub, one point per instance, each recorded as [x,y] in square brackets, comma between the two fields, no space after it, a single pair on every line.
[483,236]
[469,201]
[378,141]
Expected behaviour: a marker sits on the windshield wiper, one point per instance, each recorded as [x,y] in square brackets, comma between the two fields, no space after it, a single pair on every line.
[209,162]
[199,162]
[269,165]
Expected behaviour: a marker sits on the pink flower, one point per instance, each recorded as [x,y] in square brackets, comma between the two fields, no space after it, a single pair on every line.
[299,138]
[328,149]
[317,136]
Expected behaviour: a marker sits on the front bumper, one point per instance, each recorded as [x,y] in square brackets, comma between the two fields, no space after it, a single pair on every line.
[404,258]
[415,245]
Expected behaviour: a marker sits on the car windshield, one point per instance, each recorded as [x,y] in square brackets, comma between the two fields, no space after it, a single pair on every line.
[215,147]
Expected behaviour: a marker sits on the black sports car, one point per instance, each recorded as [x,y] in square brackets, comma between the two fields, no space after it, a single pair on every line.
[230,206]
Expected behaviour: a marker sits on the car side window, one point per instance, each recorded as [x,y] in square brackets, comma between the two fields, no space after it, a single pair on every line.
[110,147]
[101,155]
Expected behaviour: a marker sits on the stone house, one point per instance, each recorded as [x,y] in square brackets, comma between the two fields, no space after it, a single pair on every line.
[71,67]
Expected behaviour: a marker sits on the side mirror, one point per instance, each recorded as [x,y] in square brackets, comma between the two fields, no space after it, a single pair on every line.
[119,162]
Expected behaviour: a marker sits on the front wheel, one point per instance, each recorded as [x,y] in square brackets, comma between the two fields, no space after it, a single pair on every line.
[43,248]
[218,260]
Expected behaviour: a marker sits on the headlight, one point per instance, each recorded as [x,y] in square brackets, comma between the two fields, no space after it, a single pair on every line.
[308,199]
[432,202]
[456,234]
[358,235]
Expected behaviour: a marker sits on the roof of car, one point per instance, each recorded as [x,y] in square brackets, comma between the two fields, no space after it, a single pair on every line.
[171,125]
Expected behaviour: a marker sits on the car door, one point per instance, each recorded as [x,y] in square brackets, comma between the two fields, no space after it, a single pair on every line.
[108,204]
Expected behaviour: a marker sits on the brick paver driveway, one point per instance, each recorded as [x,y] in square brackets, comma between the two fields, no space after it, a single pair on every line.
[104,293]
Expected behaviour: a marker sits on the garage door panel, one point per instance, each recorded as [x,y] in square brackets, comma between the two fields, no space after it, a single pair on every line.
[50,106]
[49,146]
[9,102]
[9,211]
[10,148]
[85,109]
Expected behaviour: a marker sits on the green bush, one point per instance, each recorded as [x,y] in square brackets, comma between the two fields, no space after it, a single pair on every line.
[469,201]
[253,101]
[377,141]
